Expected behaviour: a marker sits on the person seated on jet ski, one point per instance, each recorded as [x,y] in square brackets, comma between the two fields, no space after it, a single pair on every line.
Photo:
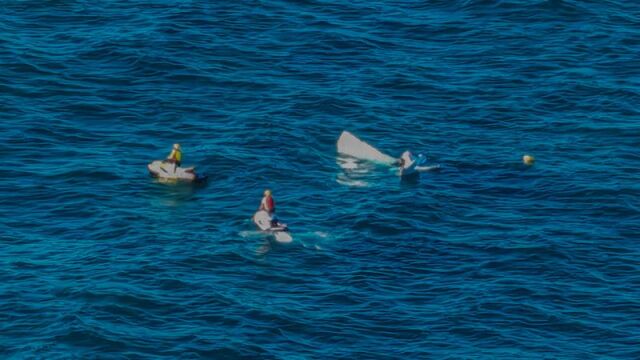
[269,205]
[175,157]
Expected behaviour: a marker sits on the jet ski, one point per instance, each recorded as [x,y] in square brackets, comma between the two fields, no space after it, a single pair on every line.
[268,224]
[350,145]
[168,171]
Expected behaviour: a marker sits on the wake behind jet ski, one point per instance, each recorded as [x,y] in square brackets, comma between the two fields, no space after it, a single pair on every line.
[170,168]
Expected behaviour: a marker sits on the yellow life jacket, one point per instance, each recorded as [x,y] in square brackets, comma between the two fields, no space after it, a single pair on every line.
[175,155]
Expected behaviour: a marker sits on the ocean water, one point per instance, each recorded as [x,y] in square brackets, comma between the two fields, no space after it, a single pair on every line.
[482,258]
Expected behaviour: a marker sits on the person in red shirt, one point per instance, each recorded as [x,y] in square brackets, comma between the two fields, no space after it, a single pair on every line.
[268,204]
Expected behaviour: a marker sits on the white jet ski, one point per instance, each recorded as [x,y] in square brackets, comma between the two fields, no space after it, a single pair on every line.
[353,147]
[168,171]
[267,224]
[350,145]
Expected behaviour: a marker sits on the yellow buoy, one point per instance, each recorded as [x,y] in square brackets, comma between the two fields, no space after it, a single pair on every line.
[528,160]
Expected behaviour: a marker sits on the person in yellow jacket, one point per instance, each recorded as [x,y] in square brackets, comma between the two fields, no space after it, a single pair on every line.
[175,157]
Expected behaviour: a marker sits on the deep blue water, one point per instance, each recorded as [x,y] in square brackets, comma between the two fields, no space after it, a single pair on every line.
[485,258]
